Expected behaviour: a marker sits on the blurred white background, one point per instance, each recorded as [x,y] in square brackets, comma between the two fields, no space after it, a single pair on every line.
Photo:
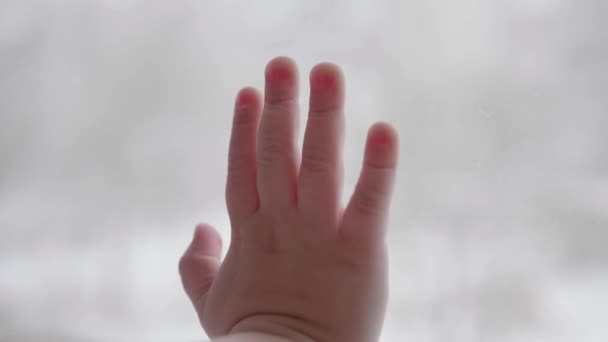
[114,123]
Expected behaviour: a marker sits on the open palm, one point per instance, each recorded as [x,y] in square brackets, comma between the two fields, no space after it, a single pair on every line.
[298,264]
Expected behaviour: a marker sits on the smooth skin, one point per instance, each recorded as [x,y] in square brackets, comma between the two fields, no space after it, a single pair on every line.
[299,267]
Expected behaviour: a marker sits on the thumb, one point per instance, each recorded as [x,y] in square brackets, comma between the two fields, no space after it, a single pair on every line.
[200,263]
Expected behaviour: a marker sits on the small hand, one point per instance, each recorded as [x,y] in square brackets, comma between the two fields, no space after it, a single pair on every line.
[298,266]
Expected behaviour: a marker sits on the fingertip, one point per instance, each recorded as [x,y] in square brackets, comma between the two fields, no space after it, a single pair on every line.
[382,133]
[326,75]
[382,145]
[281,84]
[247,97]
[326,89]
[280,69]
[206,241]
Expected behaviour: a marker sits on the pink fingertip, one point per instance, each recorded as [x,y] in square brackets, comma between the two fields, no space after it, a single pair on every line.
[381,137]
[246,97]
[324,80]
[278,74]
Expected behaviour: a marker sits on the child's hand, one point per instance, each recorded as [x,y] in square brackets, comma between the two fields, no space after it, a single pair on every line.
[298,266]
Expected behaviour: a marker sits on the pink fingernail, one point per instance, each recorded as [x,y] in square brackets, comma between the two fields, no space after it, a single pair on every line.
[278,74]
[324,80]
[381,138]
[246,98]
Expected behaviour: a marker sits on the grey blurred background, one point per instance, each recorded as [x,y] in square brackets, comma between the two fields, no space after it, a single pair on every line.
[114,123]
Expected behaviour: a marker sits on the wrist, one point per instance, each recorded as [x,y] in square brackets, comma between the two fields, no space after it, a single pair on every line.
[283,328]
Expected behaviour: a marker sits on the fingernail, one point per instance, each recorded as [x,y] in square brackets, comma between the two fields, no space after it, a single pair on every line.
[245,98]
[278,74]
[324,80]
[381,138]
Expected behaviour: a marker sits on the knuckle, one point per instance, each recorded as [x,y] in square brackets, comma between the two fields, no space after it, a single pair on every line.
[368,201]
[330,111]
[380,165]
[204,266]
[271,151]
[314,162]
[279,102]
[186,262]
